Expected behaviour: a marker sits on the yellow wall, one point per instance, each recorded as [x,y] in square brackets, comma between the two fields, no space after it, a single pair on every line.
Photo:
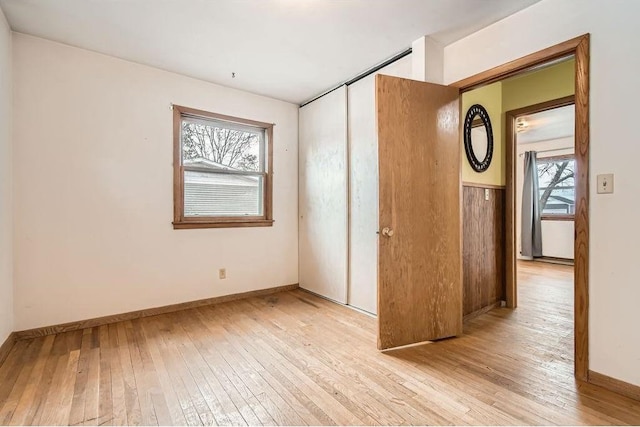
[547,84]
[490,97]
[539,86]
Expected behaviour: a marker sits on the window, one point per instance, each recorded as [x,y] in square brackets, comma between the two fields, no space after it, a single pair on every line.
[222,170]
[556,181]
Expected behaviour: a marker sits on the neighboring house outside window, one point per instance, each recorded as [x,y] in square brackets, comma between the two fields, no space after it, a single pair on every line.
[222,170]
[556,181]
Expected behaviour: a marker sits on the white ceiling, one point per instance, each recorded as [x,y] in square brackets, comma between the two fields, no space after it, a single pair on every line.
[286,49]
[547,125]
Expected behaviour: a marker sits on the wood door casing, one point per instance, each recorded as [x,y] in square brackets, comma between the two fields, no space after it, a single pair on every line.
[420,266]
[578,46]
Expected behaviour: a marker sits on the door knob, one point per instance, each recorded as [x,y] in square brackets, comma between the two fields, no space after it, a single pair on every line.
[387,231]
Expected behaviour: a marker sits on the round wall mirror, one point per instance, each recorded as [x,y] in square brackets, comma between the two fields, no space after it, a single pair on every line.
[478,138]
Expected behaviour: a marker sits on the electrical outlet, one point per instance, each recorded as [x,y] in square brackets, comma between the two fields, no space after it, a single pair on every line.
[222,273]
[486,194]
[605,183]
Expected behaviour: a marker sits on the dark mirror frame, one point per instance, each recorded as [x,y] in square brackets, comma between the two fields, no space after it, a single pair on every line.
[473,111]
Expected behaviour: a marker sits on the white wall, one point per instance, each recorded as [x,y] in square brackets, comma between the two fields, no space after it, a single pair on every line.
[614,338]
[557,236]
[557,239]
[323,196]
[363,181]
[6,224]
[93,190]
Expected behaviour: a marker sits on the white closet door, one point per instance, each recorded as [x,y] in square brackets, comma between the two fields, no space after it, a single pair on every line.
[323,196]
[363,177]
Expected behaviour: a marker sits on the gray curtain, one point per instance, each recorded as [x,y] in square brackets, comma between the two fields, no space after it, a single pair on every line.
[531,233]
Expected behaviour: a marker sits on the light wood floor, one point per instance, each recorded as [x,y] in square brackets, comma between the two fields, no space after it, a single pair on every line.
[293,358]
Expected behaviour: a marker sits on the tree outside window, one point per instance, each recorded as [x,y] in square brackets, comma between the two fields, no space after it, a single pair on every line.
[556,181]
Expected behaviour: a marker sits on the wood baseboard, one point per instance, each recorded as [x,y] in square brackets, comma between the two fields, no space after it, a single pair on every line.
[99,321]
[553,260]
[6,347]
[617,386]
[483,310]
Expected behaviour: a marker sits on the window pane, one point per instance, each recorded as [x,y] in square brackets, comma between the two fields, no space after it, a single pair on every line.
[219,145]
[556,181]
[220,194]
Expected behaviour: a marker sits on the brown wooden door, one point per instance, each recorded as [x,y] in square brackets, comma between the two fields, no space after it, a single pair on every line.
[420,242]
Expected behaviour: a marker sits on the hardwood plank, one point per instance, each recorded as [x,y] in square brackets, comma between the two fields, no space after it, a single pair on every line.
[330,385]
[236,369]
[66,390]
[92,393]
[54,413]
[131,403]
[138,314]
[27,397]
[156,406]
[172,361]
[162,370]
[8,372]
[117,382]
[280,367]
[221,404]
[144,385]
[370,392]
[38,410]
[21,383]
[198,370]
[378,382]
[199,410]
[105,399]
[281,390]
[234,407]
[6,346]
[76,414]
[293,357]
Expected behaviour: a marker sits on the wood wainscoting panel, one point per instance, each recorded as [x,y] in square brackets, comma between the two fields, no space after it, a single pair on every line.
[483,248]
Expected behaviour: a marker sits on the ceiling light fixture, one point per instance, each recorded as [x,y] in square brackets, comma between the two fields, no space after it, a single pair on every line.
[521,125]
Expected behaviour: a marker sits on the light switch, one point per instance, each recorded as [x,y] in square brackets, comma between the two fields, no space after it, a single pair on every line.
[605,183]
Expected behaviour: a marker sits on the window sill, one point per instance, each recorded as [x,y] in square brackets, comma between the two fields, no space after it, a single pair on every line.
[186,225]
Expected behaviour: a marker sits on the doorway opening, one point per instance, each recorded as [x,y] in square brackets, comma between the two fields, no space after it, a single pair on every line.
[541,104]
[543,142]
[543,153]
[578,50]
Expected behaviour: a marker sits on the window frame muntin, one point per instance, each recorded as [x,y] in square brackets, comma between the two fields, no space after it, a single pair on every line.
[555,159]
[180,221]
